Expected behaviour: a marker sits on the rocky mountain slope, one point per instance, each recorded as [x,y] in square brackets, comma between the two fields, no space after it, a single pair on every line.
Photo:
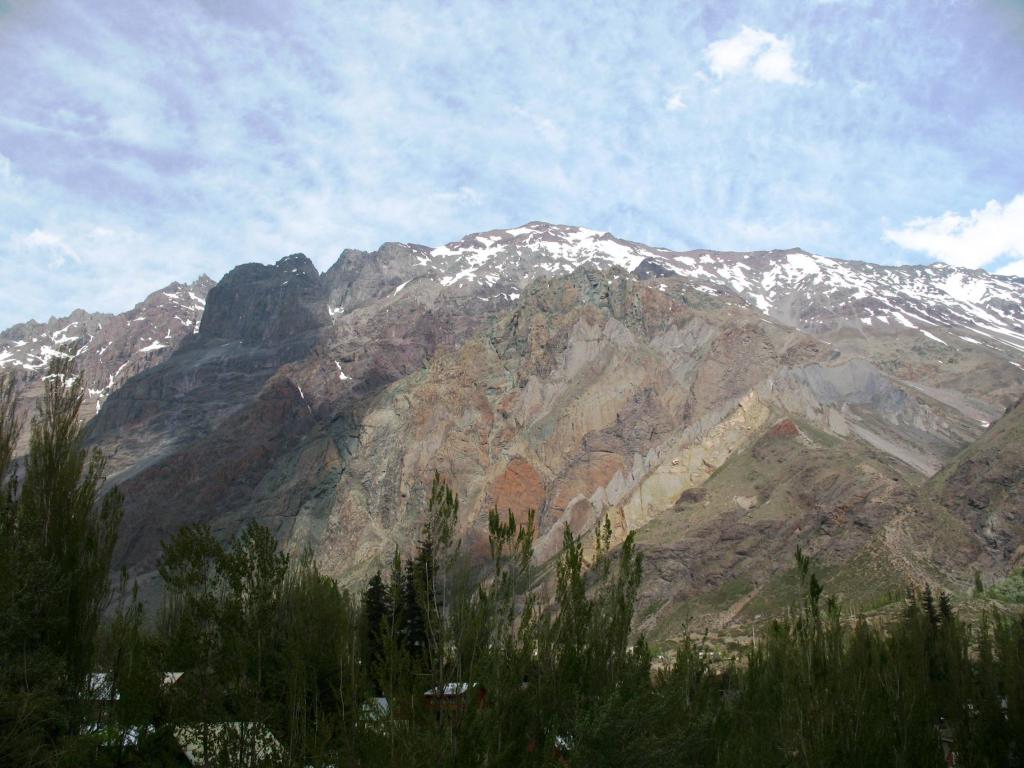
[109,349]
[726,406]
[983,486]
[796,288]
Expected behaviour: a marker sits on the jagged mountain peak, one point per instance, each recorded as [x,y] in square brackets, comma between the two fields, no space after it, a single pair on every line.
[157,322]
[109,348]
[257,303]
[791,285]
[297,263]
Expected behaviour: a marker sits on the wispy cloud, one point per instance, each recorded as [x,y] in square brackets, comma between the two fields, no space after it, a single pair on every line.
[675,103]
[50,245]
[978,239]
[762,54]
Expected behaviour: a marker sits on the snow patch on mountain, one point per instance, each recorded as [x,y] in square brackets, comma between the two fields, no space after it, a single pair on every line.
[791,286]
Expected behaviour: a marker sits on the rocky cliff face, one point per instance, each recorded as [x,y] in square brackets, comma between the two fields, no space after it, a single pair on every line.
[269,305]
[725,406]
[984,486]
[259,318]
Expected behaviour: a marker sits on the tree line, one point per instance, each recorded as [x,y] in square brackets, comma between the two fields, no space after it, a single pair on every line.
[257,658]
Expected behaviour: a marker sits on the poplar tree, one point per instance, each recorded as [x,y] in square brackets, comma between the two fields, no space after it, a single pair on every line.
[58,529]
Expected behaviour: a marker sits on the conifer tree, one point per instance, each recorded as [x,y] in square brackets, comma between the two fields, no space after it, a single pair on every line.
[376,613]
[414,628]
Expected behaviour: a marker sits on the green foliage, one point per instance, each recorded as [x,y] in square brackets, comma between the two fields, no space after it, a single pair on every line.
[376,614]
[1009,590]
[262,641]
[57,534]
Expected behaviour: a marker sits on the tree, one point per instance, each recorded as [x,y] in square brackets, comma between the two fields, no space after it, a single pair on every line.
[10,429]
[417,603]
[65,521]
[376,612]
[316,671]
[57,535]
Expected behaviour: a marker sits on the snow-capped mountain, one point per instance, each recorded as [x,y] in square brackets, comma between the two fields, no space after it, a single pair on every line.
[945,305]
[109,348]
[559,369]
[815,293]
[805,290]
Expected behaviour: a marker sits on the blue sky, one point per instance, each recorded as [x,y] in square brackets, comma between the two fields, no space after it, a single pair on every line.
[146,142]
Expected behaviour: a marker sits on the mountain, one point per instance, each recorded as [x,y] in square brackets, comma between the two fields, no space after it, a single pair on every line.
[726,406]
[983,486]
[803,290]
[110,349]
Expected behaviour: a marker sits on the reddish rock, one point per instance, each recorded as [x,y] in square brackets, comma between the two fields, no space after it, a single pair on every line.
[519,489]
[595,471]
[784,428]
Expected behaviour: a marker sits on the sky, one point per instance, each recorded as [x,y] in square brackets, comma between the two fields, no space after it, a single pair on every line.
[147,142]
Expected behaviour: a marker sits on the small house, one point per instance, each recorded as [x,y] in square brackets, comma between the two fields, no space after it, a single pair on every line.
[455,697]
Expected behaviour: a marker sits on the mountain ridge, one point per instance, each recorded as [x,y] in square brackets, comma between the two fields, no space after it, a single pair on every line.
[109,348]
[565,370]
[461,261]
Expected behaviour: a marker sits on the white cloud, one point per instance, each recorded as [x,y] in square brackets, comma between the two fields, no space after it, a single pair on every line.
[675,103]
[974,240]
[5,168]
[50,244]
[543,126]
[1013,268]
[861,87]
[767,56]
